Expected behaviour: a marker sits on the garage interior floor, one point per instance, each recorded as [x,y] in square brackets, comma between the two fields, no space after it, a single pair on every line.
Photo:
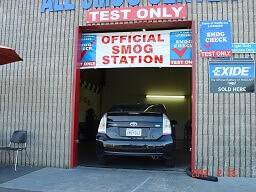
[87,157]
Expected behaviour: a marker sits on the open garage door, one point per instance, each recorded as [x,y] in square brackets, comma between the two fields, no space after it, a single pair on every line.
[134,68]
[102,88]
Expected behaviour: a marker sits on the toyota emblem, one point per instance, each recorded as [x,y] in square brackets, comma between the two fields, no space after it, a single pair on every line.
[133,124]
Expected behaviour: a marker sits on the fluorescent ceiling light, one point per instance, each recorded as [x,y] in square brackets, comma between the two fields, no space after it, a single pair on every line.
[166,96]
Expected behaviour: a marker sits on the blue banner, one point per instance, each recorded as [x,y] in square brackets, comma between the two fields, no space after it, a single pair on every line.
[181,45]
[88,50]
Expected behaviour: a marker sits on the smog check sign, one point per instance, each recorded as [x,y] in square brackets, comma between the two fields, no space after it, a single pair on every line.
[215,39]
[176,11]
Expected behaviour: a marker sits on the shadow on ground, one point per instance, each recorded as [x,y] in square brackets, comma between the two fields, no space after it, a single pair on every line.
[7,172]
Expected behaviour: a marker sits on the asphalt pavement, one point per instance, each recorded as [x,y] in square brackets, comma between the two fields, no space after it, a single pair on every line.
[113,180]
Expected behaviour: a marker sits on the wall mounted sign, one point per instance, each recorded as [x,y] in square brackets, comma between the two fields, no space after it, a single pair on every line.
[215,39]
[65,5]
[178,11]
[229,75]
[136,49]
[181,47]
[244,47]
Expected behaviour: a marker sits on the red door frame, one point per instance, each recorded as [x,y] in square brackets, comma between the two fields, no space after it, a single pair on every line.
[119,28]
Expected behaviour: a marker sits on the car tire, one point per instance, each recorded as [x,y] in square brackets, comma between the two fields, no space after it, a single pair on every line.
[102,160]
[170,162]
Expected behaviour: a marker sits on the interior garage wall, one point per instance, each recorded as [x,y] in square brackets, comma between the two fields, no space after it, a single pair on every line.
[132,86]
[35,94]
[91,82]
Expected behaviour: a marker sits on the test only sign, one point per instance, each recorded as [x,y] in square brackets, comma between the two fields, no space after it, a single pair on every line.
[175,11]
[227,75]
[215,39]
[167,48]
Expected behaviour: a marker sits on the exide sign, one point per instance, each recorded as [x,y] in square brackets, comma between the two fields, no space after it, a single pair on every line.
[231,71]
[56,5]
[232,75]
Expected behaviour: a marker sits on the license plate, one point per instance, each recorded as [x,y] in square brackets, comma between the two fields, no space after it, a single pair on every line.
[133,132]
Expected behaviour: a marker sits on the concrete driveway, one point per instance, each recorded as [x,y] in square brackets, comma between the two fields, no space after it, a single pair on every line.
[110,180]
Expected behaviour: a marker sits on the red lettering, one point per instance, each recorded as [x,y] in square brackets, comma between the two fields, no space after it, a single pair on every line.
[123,60]
[140,59]
[115,49]
[219,173]
[129,39]
[193,173]
[196,173]
[148,59]
[114,38]
[123,38]
[105,60]
[205,173]
[137,48]
[148,48]
[159,38]
[135,38]
[105,39]
[126,49]
[159,59]
[231,173]
[114,58]
[132,59]
[144,38]
[151,38]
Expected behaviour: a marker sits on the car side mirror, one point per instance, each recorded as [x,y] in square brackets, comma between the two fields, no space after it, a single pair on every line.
[173,122]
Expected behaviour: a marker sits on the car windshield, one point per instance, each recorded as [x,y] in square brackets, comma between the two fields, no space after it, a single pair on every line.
[139,108]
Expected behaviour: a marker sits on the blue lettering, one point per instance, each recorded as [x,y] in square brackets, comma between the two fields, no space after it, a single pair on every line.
[86,5]
[57,6]
[69,6]
[102,2]
[54,5]
[47,4]
[154,2]
[169,1]
[135,2]
[187,1]
[117,3]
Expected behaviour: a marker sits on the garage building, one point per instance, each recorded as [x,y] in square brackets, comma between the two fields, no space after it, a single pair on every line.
[48,94]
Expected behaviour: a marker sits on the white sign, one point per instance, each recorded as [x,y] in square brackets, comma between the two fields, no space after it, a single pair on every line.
[131,49]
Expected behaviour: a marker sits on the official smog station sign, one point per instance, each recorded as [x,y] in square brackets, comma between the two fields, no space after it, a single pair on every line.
[137,49]
[215,39]
[229,75]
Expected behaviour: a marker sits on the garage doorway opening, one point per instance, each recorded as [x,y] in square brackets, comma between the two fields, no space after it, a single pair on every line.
[102,88]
